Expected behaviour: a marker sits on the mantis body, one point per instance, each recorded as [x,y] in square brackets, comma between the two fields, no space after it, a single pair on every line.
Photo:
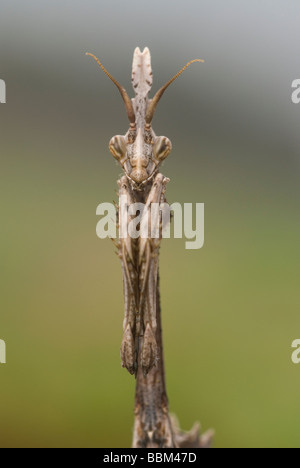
[140,153]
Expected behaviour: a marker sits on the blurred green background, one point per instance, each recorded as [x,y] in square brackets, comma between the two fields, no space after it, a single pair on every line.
[230,310]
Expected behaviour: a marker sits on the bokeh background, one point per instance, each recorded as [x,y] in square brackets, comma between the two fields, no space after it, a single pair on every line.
[230,310]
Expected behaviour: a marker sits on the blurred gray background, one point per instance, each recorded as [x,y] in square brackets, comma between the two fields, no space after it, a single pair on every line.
[230,310]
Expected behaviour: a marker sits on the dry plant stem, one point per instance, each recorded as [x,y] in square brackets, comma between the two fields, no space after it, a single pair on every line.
[153,426]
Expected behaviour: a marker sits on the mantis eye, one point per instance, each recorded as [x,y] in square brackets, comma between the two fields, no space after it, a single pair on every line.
[117,147]
[162,148]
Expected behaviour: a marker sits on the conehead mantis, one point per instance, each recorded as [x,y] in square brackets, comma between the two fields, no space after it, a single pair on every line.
[140,153]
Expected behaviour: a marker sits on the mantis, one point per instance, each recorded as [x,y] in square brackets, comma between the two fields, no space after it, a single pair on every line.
[140,153]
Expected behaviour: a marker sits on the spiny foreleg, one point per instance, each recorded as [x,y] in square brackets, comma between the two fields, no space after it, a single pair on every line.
[127,253]
[148,260]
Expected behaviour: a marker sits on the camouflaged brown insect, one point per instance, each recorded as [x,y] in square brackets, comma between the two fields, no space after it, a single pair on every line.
[140,153]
